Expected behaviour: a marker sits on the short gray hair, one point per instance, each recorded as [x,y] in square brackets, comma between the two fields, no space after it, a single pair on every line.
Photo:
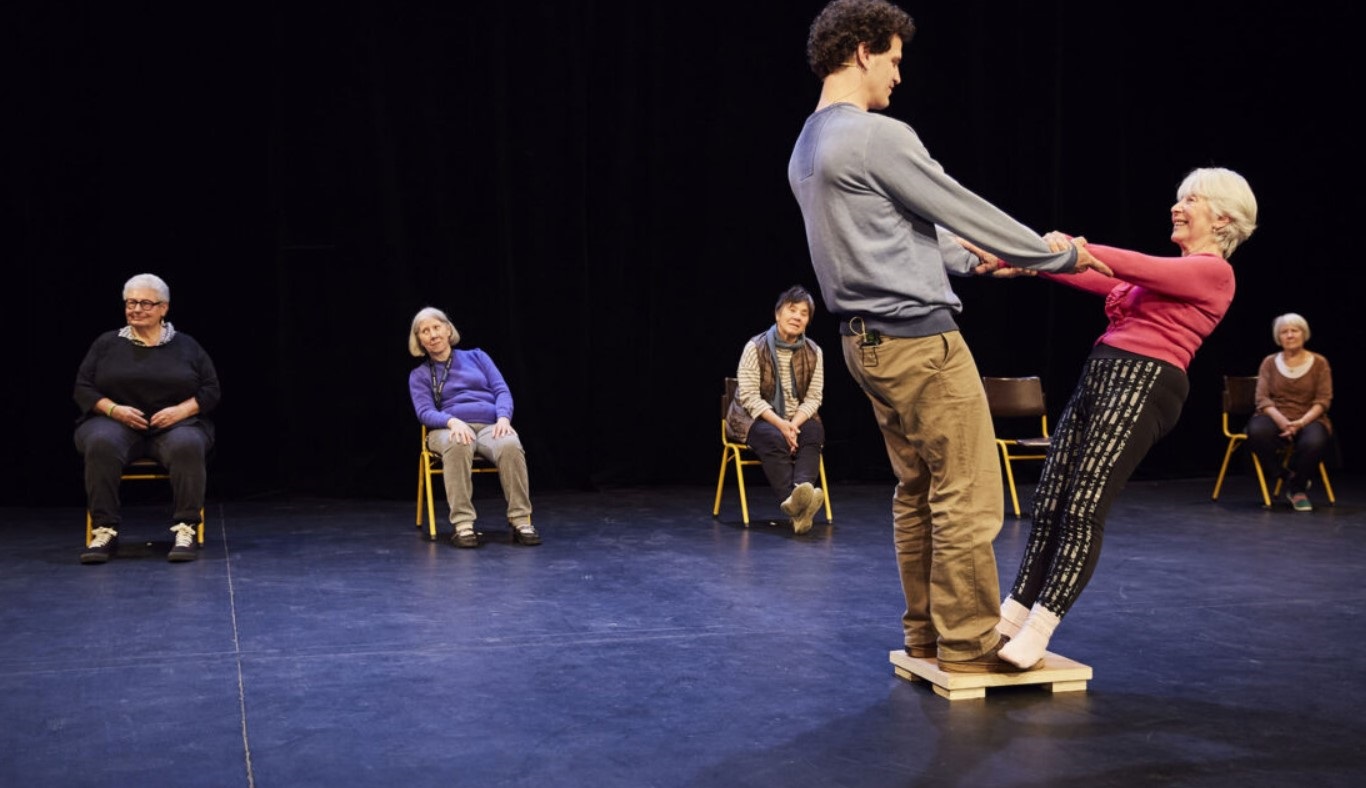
[1288,319]
[1228,196]
[148,282]
[429,313]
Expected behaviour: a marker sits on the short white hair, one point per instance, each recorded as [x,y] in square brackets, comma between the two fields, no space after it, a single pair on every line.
[1288,319]
[1229,197]
[148,282]
[429,313]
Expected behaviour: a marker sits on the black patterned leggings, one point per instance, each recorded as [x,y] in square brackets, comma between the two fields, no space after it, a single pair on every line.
[1121,407]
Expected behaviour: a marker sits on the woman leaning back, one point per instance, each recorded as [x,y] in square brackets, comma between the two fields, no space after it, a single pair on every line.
[1131,392]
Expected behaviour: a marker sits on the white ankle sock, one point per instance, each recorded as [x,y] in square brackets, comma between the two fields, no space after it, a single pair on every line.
[1013,615]
[1029,645]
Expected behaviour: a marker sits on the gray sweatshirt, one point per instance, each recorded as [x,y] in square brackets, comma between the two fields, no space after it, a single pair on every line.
[876,208]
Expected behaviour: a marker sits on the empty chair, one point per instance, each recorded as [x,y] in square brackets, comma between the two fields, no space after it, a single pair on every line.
[1018,398]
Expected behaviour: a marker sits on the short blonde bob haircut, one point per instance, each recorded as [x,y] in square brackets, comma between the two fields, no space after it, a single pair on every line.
[1228,196]
[429,313]
[1288,319]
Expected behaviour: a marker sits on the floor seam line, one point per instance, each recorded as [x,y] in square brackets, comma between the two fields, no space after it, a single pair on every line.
[236,649]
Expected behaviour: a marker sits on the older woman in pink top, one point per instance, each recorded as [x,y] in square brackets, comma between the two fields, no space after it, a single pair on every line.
[1130,394]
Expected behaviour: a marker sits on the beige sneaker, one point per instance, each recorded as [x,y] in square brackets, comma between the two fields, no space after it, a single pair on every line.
[806,501]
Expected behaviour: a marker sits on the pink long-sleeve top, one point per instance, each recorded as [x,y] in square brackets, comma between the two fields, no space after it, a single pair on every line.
[1160,307]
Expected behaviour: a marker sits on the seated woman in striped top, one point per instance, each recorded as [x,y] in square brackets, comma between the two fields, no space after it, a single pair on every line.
[780,381]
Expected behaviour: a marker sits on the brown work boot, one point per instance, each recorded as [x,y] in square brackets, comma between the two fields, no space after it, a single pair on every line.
[925,651]
[989,662]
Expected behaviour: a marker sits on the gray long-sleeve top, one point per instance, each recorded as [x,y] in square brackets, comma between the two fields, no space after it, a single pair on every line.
[871,197]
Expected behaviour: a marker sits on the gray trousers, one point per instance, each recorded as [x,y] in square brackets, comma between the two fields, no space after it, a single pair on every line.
[109,446]
[457,459]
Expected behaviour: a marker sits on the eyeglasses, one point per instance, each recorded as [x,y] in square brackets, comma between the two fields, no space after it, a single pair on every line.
[143,304]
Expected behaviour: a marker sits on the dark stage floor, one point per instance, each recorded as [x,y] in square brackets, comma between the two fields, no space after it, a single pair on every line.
[648,644]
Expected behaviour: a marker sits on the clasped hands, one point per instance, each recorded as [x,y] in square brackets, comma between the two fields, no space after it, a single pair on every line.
[1291,428]
[134,418]
[790,431]
[990,264]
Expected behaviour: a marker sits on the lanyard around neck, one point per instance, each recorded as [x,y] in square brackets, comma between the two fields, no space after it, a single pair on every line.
[437,386]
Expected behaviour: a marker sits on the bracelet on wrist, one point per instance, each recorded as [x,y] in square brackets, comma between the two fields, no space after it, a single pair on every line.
[110,412]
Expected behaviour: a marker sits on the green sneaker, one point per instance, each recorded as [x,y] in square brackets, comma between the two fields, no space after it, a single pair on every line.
[1300,502]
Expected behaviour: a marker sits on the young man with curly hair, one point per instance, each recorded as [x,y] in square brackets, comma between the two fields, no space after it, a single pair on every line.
[883,221]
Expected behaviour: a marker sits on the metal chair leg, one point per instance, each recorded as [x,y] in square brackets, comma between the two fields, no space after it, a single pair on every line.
[1010,478]
[1223,469]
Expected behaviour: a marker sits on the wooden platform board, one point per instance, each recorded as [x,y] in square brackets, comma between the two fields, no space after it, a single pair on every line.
[1058,674]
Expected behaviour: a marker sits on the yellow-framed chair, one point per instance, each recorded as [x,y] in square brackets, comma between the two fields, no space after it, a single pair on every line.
[734,452]
[1240,399]
[142,470]
[429,465]
[1018,398]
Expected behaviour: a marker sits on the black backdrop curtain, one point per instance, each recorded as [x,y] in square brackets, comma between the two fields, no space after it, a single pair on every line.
[596,192]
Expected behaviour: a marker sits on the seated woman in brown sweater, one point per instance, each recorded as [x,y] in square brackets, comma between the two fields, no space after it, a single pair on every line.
[1294,392]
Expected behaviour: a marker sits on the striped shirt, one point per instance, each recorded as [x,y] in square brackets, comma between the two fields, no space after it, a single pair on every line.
[747,390]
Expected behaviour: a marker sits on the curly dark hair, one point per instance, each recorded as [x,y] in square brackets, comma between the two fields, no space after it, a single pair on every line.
[844,24]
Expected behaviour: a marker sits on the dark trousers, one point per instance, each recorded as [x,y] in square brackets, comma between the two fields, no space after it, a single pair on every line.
[1121,407]
[108,447]
[1310,444]
[784,468]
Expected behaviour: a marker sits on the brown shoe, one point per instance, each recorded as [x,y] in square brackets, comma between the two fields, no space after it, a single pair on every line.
[526,534]
[989,662]
[464,536]
[926,651]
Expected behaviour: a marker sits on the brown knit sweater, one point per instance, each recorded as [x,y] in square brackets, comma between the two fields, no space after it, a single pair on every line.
[1294,396]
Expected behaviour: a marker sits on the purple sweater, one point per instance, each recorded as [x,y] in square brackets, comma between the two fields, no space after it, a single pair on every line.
[475,392]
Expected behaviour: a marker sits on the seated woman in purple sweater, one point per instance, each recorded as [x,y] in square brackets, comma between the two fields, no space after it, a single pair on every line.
[144,391]
[462,399]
